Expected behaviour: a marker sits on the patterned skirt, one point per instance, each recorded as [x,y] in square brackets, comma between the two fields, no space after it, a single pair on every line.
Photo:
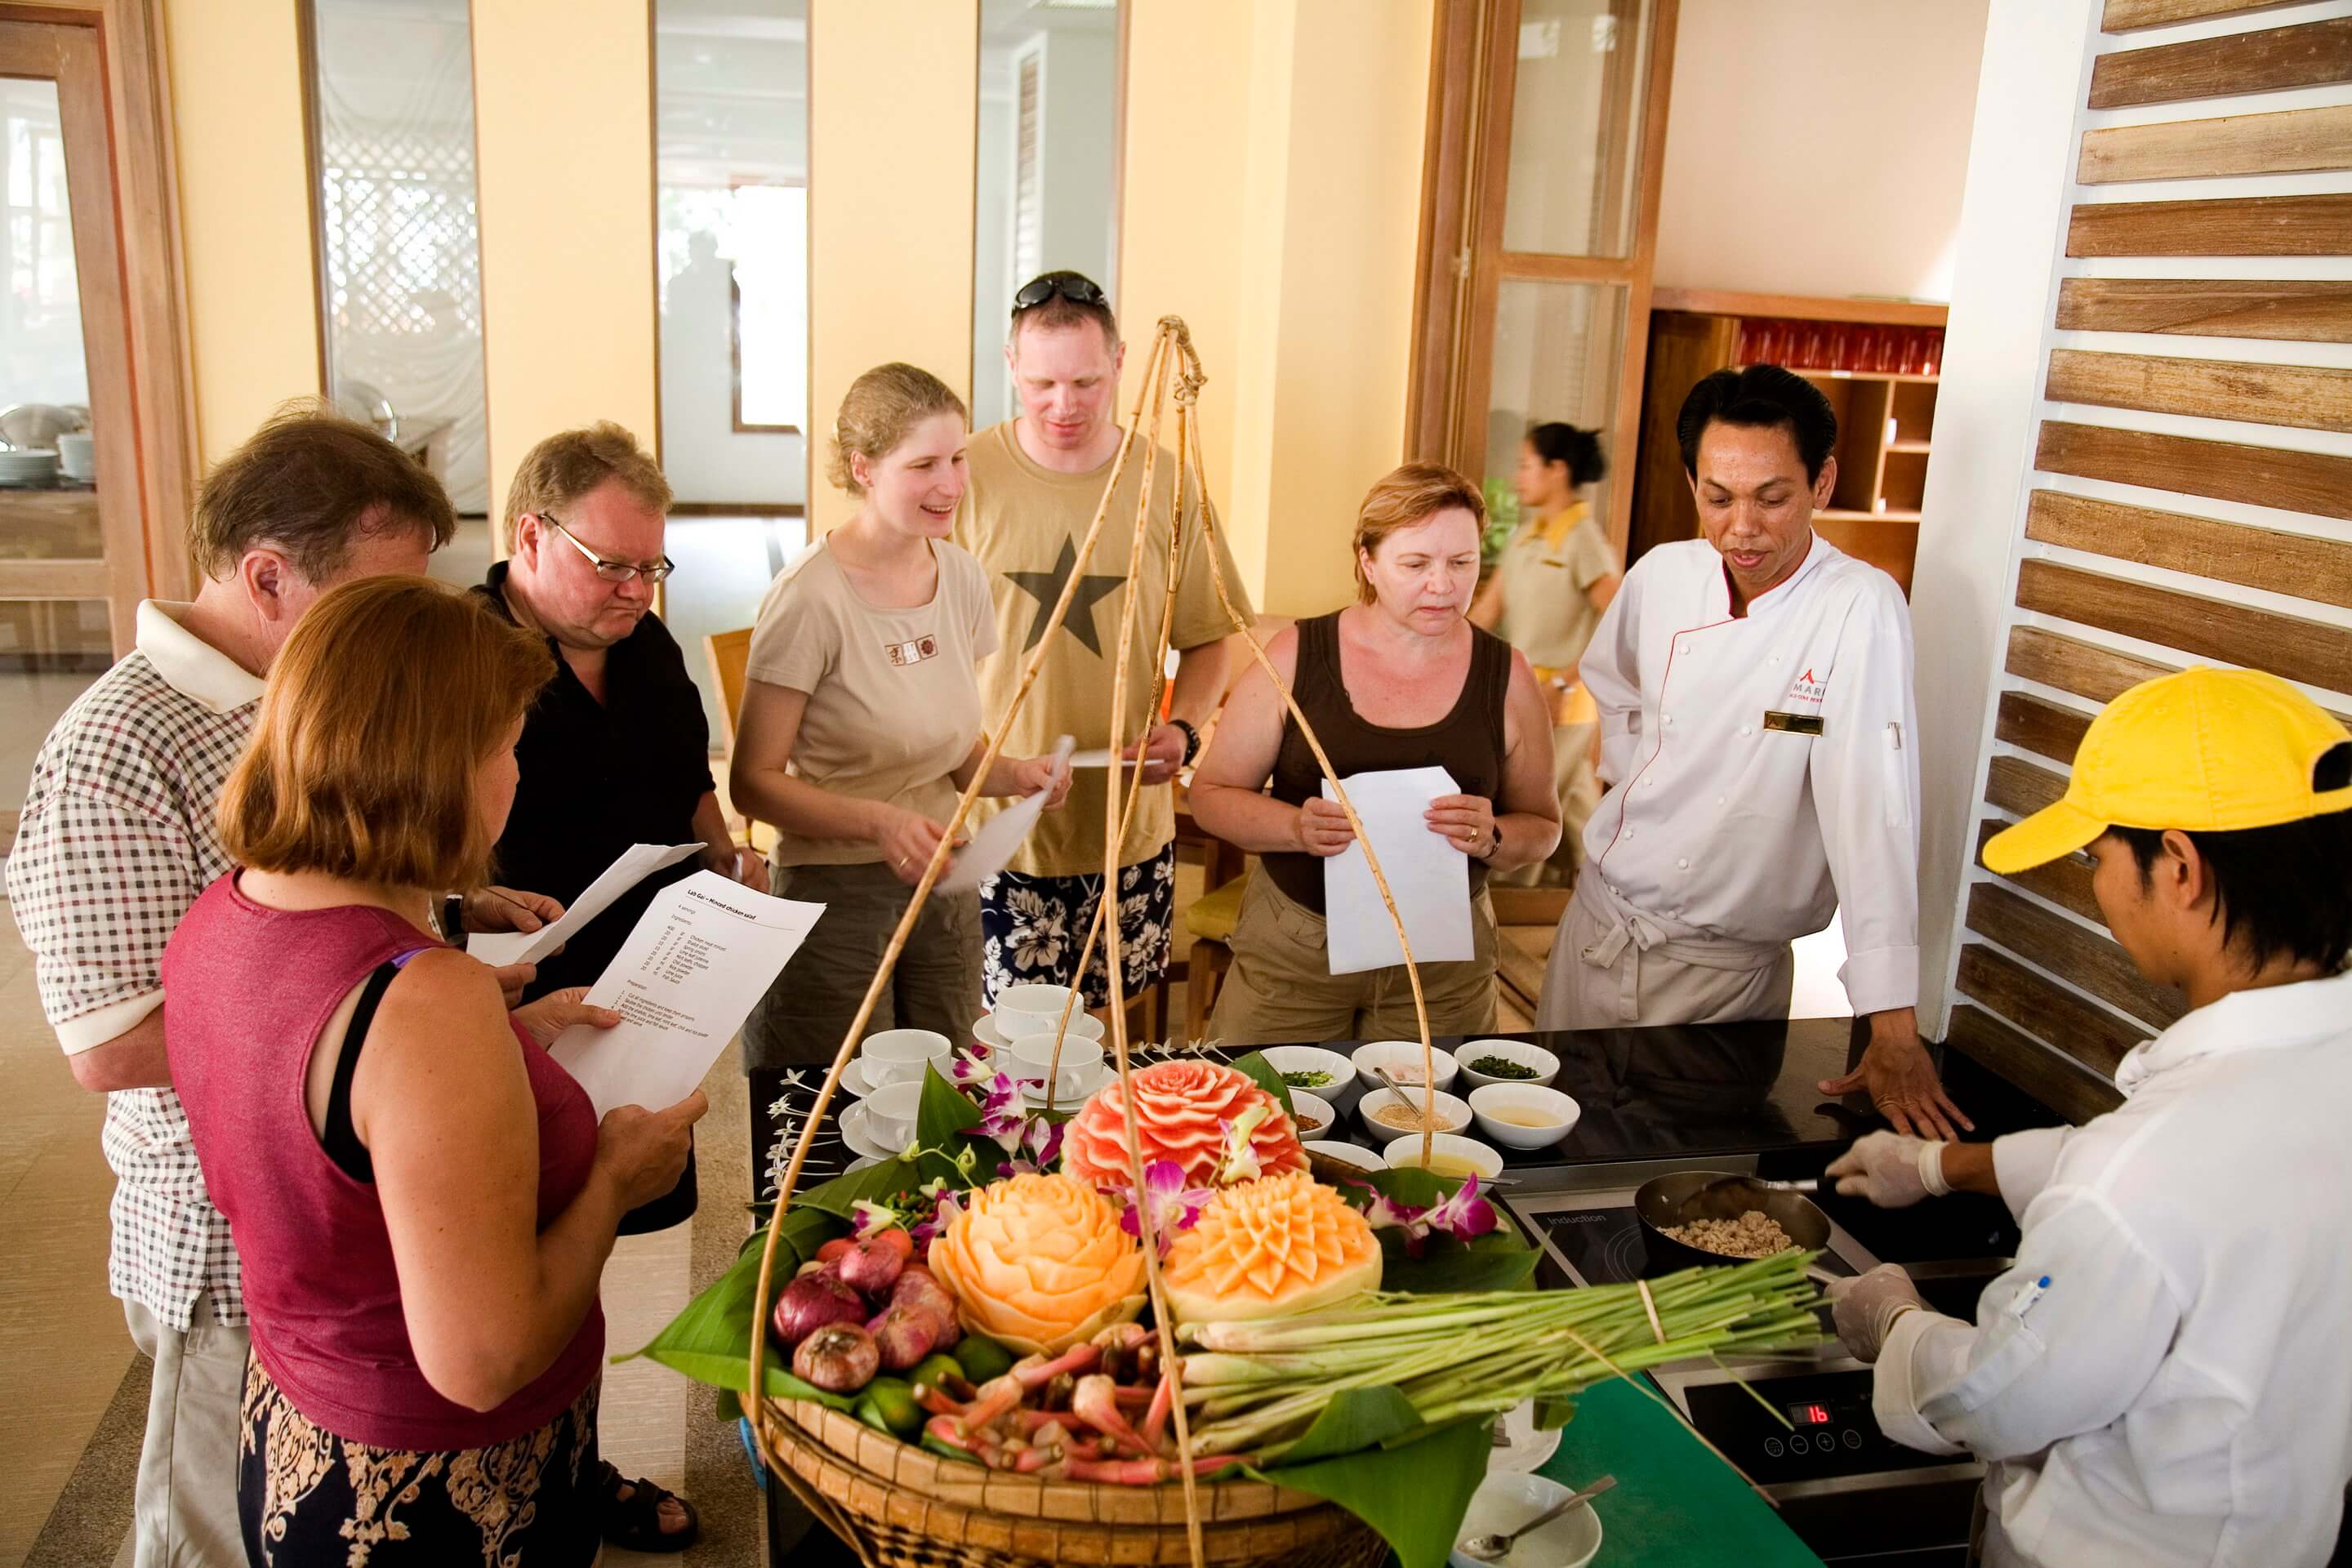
[308,1498]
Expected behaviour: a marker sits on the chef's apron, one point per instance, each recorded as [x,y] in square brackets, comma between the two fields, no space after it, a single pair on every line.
[1613,967]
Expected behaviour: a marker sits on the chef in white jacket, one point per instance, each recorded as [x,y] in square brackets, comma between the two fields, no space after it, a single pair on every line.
[2163,1378]
[1758,736]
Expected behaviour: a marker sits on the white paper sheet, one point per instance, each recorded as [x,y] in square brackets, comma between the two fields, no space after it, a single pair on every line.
[998,840]
[683,983]
[634,865]
[1098,758]
[1430,878]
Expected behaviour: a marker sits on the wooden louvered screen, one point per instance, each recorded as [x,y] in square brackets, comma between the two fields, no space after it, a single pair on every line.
[2191,500]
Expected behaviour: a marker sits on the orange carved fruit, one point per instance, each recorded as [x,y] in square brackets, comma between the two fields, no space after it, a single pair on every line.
[1271,1248]
[1180,1106]
[1039,1263]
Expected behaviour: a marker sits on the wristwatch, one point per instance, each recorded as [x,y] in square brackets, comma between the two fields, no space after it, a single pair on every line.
[1491,849]
[1192,740]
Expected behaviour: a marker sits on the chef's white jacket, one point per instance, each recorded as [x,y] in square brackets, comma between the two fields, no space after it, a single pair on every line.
[2180,1391]
[1727,817]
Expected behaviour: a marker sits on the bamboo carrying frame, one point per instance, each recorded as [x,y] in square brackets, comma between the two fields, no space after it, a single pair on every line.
[897,1505]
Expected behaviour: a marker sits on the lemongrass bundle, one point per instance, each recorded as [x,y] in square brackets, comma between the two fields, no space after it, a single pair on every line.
[1257,1386]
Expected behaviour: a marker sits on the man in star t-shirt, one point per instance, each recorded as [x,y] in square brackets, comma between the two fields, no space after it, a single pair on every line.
[1036,480]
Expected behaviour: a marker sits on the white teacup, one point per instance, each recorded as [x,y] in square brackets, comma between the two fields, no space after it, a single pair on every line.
[1036,1001]
[77,455]
[1034,1054]
[890,1114]
[897,1055]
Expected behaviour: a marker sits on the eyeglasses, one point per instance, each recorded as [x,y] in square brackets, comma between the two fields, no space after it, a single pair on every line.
[1075,287]
[612,570]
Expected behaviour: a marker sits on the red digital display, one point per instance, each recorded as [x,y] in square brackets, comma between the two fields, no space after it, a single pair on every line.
[1809,1415]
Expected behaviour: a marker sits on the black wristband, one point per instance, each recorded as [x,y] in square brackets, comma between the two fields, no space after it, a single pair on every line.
[452,918]
[1495,848]
[1192,740]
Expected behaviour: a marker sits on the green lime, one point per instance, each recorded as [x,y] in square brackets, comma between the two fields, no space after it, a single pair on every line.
[934,1367]
[982,1357]
[894,1399]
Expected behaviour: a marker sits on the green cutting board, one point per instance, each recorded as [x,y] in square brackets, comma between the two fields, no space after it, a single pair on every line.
[1674,1502]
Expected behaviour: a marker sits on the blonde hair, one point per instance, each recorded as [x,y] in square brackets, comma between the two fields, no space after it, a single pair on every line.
[379,713]
[1413,493]
[879,410]
[311,483]
[569,463]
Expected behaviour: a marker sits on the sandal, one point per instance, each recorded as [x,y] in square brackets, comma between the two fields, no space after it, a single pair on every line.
[633,1522]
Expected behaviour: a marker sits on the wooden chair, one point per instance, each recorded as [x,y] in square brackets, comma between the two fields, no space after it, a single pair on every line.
[729,655]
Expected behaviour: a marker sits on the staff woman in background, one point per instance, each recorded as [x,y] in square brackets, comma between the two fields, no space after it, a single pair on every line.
[1400,679]
[1545,597]
[422,1225]
[861,725]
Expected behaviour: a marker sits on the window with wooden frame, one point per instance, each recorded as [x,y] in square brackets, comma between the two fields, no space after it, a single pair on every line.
[1539,205]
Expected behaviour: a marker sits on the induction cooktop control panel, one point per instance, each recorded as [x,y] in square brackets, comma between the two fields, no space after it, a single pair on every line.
[1824,1427]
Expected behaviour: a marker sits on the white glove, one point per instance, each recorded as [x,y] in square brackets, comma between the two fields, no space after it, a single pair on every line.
[1864,1309]
[1892,1170]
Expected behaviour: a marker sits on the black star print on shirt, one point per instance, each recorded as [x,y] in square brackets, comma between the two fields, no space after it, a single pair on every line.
[1045,587]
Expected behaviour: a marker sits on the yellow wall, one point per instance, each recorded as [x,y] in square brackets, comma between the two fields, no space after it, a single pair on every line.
[244,212]
[562,106]
[893,97]
[1272,199]
[1271,196]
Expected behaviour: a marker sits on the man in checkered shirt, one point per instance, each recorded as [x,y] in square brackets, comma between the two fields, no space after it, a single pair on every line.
[118,838]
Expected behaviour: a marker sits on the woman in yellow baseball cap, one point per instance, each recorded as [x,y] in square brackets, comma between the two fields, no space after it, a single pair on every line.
[2163,1376]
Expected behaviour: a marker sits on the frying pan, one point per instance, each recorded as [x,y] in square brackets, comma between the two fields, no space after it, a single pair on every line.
[1677,1200]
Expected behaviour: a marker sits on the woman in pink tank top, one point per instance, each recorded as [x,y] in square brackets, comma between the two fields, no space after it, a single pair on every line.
[421,1199]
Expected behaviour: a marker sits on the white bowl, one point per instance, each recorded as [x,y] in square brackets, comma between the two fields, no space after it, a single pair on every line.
[1354,1154]
[1557,1114]
[1401,1058]
[1404,1154]
[1032,998]
[899,1056]
[1342,1090]
[1503,1502]
[1313,1115]
[1546,1065]
[1453,1115]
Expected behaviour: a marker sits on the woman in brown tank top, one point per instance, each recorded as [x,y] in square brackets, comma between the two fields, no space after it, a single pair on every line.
[1401,680]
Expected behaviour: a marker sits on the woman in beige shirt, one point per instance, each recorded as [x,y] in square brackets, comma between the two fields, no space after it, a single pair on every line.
[861,725]
[1544,598]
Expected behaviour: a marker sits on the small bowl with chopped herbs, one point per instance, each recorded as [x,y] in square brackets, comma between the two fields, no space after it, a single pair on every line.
[1506,1061]
[1326,1074]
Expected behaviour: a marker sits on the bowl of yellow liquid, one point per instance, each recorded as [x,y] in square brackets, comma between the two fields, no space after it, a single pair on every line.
[1523,1115]
[1449,1156]
[1387,1116]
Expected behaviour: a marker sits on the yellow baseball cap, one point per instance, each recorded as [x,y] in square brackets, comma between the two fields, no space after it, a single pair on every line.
[2210,751]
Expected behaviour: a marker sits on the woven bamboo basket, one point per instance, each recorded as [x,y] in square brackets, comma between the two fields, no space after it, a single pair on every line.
[901,1506]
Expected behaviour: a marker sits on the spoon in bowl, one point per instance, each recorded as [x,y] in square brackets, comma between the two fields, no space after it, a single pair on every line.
[1495,1548]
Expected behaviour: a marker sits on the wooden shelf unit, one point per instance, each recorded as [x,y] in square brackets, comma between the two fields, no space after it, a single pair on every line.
[1886,421]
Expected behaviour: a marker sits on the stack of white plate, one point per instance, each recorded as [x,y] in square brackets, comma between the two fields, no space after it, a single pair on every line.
[32,468]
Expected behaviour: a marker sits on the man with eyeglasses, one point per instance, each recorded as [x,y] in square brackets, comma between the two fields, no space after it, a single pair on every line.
[1035,483]
[616,750]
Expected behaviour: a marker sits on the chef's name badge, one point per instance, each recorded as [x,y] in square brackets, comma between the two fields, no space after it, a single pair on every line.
[1794,723]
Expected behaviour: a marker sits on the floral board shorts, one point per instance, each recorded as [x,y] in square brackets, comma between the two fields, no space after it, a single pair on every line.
[1032,927]
[309,1499]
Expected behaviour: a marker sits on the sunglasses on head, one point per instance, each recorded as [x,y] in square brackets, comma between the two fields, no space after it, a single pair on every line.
[1074,286]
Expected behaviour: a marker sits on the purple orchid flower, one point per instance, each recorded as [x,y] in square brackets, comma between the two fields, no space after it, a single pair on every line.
[944,1210]
[1239,1163]
[1463,1216]
[1174,1205]
[969,1067]
[872,1218]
